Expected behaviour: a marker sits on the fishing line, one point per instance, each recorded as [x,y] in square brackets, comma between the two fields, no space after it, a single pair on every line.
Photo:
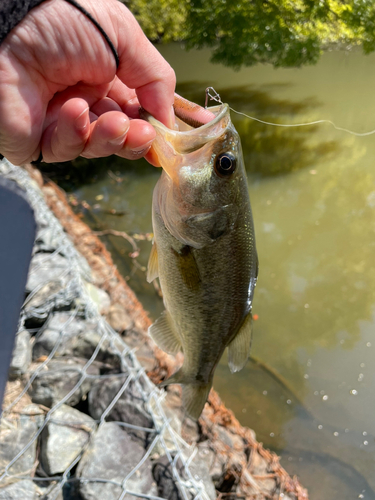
[216,97]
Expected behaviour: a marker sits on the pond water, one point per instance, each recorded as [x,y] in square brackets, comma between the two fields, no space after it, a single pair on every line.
[310,393]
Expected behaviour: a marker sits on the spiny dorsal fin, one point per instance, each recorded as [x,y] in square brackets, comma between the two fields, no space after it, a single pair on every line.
[164,334]
[153,267]
[239,348]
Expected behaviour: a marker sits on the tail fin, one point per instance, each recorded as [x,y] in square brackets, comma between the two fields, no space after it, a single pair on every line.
[176,378]
[194,398]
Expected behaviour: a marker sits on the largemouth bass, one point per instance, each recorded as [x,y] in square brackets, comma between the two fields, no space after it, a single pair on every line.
[204,248]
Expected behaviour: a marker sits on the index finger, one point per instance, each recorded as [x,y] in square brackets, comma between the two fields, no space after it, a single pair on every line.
[144,69]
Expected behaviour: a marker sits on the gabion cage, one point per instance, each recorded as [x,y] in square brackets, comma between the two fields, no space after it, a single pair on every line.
[81,419]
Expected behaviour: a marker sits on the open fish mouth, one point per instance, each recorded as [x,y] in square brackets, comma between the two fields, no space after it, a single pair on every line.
[195,127]
[191,113]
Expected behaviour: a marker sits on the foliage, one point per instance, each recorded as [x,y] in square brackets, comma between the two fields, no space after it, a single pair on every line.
[245,32]
[360,15]
[280,32]
[161,20]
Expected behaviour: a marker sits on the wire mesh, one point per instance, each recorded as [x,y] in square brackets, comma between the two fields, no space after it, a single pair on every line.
[58,310]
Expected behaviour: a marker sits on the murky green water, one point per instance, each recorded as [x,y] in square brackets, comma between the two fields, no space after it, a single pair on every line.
[313,197]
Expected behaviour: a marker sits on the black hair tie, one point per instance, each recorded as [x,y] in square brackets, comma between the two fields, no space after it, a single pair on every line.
[94,21]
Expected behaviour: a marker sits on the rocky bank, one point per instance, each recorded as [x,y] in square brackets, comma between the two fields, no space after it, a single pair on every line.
[82,418]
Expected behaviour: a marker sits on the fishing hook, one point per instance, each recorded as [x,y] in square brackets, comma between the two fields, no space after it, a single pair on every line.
[214,97]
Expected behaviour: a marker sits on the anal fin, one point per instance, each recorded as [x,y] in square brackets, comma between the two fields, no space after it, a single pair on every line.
[164,334]
[153,267]
[239,348]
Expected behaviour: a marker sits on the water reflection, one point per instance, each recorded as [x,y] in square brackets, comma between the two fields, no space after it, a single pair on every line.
[313,198]
[268,150]
[335,460]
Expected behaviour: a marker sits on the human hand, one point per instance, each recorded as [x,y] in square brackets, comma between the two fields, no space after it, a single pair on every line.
[60,91]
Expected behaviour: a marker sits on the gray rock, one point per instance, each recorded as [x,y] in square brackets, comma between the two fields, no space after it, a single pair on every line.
[62,328]
[112,455]
[34,413]
[118,318]
[129,408]
[13,440]
[145,354]
[99,297]
[47,240]
[76,337]
[21,490]
[229,440]
[54,491]
[52,295]
[169,432]
[58,378]
[21,357]
[163,475]
[199,468]
[47,267]
[47,491]
[63,439]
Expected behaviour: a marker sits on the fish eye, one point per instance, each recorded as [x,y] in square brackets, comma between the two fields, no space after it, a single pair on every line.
[225,164]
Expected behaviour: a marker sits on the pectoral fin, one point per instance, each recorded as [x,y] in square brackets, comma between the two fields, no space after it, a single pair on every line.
[153,267]
[188,267]
[239,348]
[164,334]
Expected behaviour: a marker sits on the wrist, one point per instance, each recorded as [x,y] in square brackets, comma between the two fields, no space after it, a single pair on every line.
[11,16]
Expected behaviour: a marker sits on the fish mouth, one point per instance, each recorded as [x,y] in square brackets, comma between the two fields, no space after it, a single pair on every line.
[191,134]
[191,113]
[194,138]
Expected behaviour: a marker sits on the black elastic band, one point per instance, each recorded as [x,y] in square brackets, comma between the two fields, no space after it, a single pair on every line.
[94,21]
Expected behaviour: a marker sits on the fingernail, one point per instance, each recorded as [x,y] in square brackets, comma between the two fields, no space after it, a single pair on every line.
[118,141]
[142,149]
[81,120]
[171,119]
[123,130]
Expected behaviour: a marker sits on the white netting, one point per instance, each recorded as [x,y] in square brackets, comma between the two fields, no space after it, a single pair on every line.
[79,366]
